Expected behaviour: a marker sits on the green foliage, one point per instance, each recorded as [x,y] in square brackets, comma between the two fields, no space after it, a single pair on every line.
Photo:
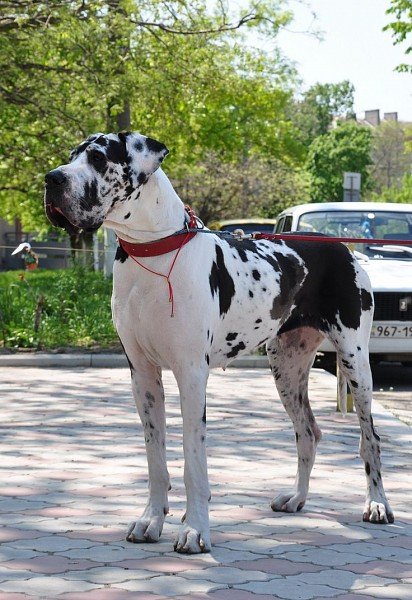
[314,113]
[391,156]
[402,193]
[401,27]
[54,309]
[253,187]
[345,148]
[181,68]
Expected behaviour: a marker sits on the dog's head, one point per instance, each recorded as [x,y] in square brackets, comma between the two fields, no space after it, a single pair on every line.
[103,171]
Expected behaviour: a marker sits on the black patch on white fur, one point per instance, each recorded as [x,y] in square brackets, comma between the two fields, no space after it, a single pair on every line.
[235,350]
[221,282]
[90,195]
[329,291]
[116,152]
[366,299]
[231,336]
[155,146]
[121,254]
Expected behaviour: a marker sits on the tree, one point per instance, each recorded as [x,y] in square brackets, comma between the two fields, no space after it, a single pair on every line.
[179,69]
[253,187]
[401,193]
[390,158]
[401,27]
[345,148]
[320,105]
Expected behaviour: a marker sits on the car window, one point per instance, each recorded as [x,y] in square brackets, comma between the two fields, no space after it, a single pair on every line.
[288,223]
[361,224]
[279,226]
[358,224]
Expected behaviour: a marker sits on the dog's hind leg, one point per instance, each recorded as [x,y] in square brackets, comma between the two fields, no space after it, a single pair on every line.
[291,356]
[352,355]
[149,397]
[194,536]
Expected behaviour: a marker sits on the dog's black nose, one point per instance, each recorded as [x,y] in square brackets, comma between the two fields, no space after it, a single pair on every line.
[55,177]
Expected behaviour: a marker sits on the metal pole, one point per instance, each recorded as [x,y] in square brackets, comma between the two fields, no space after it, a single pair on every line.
[95,252]
[344,398]
[110,247]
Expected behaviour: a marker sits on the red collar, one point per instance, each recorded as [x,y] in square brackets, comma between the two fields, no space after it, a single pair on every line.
[164,245]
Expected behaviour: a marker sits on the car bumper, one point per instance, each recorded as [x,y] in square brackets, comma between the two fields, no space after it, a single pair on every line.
[386,347]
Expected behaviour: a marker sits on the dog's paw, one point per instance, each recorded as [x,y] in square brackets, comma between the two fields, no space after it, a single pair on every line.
[145,530]
[288,503]
[191,541]
[378,512]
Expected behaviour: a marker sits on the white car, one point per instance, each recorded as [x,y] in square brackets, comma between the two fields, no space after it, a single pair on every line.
[389,266]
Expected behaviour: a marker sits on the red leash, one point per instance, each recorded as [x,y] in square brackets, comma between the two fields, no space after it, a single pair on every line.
[162,246]
[324,238]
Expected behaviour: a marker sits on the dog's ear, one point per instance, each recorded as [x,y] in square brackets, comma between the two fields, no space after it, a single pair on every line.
[143,155]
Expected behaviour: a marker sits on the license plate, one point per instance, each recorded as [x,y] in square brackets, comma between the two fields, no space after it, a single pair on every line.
[391,330]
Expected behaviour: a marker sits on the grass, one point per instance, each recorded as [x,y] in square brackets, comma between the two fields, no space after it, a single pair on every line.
[47,310]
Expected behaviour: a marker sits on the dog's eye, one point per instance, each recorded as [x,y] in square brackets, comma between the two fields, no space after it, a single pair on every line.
[96,157]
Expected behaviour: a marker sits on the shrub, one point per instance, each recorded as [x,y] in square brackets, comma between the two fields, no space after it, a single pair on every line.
[55,309]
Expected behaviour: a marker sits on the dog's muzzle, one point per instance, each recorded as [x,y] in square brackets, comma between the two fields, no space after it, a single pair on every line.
[56,182]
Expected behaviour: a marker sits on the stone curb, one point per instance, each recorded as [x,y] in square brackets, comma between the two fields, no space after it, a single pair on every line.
[106,361]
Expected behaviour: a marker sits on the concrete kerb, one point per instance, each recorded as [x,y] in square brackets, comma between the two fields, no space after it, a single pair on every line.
[47,360]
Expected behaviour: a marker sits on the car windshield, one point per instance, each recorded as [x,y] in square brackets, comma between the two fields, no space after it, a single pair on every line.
[364,224]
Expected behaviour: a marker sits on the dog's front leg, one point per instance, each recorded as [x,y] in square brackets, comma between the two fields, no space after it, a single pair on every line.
[194,536]
[149,397]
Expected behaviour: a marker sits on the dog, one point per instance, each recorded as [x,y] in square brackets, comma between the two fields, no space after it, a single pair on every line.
[191,300]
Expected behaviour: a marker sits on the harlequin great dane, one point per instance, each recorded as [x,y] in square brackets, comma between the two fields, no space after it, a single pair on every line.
[193,301]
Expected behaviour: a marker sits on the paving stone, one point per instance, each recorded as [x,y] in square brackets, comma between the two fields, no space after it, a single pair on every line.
[77,476]
[227,575]
[291,590]
[49,564]
[264,546]
[362,597]
[49,587]
[8,534]
[368,549]
[278,566]
[106,553]
[169,586]
[322,556]
[108,574]
[363,581]
[112,593]
[336,578]
[12,575]
[14,596]
[400,591]
[385,568]
[167,564]
[51,544]
[231,594]
[8,553]
[227,556]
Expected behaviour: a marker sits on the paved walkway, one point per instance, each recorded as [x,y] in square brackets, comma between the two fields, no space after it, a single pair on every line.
[73,475]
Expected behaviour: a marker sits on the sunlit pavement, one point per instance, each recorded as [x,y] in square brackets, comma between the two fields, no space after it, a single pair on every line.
[74,475]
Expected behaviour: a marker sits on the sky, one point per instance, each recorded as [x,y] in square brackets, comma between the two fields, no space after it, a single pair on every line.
[354,47]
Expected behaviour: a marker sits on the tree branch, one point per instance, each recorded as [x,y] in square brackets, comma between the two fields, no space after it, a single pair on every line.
[229,27]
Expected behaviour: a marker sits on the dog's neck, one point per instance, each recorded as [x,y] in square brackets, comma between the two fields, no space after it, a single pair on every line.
[155,213]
